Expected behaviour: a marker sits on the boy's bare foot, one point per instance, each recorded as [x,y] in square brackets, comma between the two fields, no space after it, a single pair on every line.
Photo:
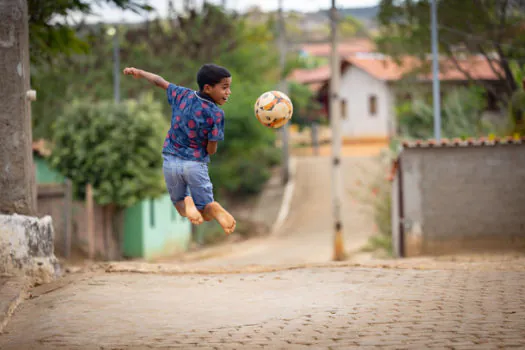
[220,214]
[191,211]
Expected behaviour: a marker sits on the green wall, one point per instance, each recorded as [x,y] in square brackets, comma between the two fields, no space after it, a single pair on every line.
[154,229]
[44,174]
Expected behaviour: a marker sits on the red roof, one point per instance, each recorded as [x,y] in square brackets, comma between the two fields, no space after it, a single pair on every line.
[41,147]
[308,76]
[346,48]
[385,68]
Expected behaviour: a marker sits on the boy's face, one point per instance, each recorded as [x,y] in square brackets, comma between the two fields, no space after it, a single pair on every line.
[220,92]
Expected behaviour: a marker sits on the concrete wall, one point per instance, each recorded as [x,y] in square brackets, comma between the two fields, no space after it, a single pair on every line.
[462,198]
[26,247]
[154,229]
[356,88]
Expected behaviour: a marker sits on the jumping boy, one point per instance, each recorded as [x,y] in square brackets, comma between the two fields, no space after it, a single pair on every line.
[197,124]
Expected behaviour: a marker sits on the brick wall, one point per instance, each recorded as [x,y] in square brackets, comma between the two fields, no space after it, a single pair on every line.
[461,198]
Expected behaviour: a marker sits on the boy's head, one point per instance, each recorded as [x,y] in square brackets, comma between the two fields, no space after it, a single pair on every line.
[215,81]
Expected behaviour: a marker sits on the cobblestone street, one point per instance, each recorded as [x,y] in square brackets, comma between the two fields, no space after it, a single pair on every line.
[323,308]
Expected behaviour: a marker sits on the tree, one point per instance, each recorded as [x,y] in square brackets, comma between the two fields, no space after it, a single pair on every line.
[517,102]
[462,116]
[307,109]
[51,26]
[478,27]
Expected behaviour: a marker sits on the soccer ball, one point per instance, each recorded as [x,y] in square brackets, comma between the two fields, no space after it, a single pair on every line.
[273,109]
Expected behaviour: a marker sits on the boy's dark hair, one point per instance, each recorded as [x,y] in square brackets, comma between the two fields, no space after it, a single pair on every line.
[211,74]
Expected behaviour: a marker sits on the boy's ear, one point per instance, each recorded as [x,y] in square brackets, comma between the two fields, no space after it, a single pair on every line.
[207,88]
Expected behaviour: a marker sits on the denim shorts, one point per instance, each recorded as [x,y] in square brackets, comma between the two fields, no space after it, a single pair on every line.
[186,177]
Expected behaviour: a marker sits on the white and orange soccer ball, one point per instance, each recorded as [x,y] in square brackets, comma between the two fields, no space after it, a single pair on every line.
[273,109]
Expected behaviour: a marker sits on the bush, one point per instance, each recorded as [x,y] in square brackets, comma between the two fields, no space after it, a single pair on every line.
[376,196]
[461,116]
[116,148]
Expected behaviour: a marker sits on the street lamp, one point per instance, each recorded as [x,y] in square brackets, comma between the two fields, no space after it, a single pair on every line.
[113,32]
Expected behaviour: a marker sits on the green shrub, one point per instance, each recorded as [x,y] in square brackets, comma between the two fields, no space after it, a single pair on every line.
[116,148]
[461,116]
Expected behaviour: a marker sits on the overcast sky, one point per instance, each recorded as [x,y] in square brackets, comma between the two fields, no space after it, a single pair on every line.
[111,14]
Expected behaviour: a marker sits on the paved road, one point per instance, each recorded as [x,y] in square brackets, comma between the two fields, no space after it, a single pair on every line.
[409,304]
[317,308]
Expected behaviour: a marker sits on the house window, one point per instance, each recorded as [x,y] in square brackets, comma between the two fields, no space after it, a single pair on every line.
[372,105]
[152,213]
[343,109]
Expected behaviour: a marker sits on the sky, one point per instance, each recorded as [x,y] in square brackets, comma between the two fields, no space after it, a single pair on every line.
[107,14]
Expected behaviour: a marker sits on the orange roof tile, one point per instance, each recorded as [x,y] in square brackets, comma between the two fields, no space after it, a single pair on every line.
[345,48]
[41,147]
[387,69]
[482,141]
[308,76]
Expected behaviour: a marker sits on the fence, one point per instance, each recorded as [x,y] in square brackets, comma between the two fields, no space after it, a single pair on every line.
[77,225]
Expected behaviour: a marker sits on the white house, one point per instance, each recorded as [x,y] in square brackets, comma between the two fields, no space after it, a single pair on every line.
[371,84]
[367,104]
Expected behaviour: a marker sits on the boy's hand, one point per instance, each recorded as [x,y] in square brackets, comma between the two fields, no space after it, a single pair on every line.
[132,71]
[152,78]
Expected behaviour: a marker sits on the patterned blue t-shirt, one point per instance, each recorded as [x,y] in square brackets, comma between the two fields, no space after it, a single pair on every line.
[195,120]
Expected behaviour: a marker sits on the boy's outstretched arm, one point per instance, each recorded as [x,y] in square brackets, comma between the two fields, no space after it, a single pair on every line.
[152,78]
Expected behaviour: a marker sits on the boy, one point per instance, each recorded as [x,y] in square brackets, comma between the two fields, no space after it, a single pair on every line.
[197,124]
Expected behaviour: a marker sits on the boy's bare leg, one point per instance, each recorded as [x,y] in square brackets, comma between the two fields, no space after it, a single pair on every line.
[206,216]
[225,219]
[188,209]
[181,208]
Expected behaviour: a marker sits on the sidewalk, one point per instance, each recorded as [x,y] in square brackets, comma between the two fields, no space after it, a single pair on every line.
[335,306]
[13,290]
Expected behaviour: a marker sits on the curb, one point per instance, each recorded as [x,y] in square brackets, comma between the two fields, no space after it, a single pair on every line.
[12,293]
[287,198]
[428,264]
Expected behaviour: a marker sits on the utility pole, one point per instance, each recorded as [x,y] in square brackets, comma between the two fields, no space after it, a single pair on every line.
[435,73]
[116,66]
[171,10]
[113,33]
[17,175]
[335,123]
[283,86]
